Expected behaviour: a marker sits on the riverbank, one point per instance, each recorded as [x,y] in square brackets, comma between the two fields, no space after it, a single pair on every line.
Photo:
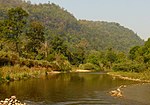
[139,77]
[14,73]
[84,71]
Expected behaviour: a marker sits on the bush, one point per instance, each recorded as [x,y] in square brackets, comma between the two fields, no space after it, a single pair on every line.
[24,62]
[45,63]
[34,63]
[8,58]
[89,66]
[8,78]
[61,65]
[50,57]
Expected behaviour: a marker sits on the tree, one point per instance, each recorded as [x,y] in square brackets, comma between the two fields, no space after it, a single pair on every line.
[147,43]
[1,34]
[36,37]
[111,56]
[15,25]
[133,51]
[59,45]
[94,57]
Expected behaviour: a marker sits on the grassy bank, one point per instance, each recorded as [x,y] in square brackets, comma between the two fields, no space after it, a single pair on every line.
[13,67]
[12,73]
[141,77]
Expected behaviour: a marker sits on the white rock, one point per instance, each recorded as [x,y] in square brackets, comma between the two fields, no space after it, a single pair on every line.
[9,104]
[13,97]
[6,99]
[5,102]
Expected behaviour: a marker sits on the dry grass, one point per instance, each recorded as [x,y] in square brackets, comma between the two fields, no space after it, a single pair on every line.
[10,73]
[142,76]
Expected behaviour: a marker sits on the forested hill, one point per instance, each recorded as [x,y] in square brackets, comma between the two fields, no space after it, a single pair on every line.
[109,35]
[88,34]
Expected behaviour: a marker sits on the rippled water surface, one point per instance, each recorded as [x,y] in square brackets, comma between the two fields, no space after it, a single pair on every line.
[74,89]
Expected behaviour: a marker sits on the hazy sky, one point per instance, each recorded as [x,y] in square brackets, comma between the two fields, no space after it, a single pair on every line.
[133,14]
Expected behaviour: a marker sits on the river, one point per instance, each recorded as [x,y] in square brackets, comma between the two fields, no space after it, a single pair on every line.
[76,89]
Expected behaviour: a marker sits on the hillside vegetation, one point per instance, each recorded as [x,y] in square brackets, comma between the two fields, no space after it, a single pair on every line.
[45,36]
[96,35]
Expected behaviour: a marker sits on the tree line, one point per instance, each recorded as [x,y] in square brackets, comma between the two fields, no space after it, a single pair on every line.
[29,42]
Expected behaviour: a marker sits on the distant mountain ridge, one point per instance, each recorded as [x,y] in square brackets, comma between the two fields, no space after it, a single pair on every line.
[94,35]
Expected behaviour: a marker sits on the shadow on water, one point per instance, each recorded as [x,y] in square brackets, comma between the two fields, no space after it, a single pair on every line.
[68,89]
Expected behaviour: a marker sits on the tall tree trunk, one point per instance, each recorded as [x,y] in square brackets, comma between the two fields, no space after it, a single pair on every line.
[46,49]
[17,48]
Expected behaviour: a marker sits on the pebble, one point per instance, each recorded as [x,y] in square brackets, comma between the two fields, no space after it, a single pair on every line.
[11,101]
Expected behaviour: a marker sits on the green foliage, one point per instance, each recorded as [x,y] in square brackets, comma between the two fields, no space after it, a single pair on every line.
[27,62]
[8,78]
[111,56]
[51,34]
[78,56]
[147,58]
[133,52]
[147,43]
[89,66]
[129,67]
[105,59]
[34,63]
[94,57]
[50,57]
[14,26]
[58,45]
[8,58]
[35,36]
[140,59]
[104,35]
[16,72]
[141,53]
[98,35]
[61,64]
[64,66]
[1,77]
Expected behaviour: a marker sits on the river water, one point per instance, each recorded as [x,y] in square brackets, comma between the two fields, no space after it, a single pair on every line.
[76,89]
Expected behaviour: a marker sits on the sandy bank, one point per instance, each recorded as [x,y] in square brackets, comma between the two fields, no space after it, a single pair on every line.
[84,71]
[128,78]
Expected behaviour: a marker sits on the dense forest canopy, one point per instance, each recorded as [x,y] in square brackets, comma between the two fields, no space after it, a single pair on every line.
[58,22]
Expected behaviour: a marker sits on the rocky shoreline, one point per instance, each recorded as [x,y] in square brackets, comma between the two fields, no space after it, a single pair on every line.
[11,101]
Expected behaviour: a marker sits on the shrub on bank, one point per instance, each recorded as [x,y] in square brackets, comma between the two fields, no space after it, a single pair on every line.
[8,58]
[34,63]
[89,66]
[61,65]
[11,59]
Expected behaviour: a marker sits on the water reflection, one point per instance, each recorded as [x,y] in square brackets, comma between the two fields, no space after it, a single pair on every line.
[65,89]
[138,92]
